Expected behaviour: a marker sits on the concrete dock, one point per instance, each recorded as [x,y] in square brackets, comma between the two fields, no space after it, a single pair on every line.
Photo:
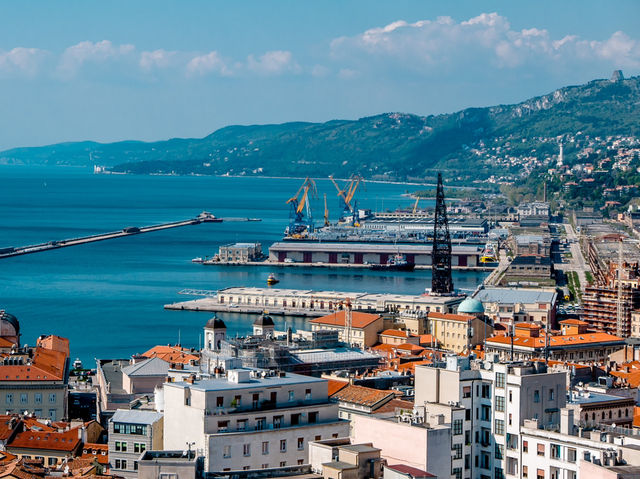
[129,231]
[279,264]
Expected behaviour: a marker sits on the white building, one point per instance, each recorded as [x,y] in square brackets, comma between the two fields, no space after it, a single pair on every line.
[250,419]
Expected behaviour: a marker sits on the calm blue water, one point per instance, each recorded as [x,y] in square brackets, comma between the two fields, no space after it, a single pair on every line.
[108,297]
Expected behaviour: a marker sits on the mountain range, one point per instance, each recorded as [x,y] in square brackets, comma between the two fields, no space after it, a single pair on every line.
[386,146]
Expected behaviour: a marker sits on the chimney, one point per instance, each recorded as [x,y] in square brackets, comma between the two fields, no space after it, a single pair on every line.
[566,421]
[82,434]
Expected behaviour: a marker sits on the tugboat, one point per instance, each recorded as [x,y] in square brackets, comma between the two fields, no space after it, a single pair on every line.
[271,280]
[397,262]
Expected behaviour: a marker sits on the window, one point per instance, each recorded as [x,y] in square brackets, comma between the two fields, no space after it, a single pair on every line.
[499,473]
[525,446]
[277,421]
[540,474]
[457,426]
[467,437]
[587,456]
[457,451]
[52,400]
[135,465]
[295,419]
[265,448]
[9,398]
[52,414]
[300,443]
[486,391]
[37,398]
[237,400]
[242,424]
[541,450]
[24,398]
[37,412]
[571,454]
[138,447]
[261,423]
[499,427]
[292,396]
[226,451]
[466,392]
[555,451]
[499,451]
[510,396]
[265,466]
[457,472]
[525,472]
[283,463]
[255,400]
[486,413]
[313,417]
[246,449]
[223,426]
[307,394]
[118,464]
[551,394]
[500,380]
[283,445]
[536,396]
[123,464]
[499,403]
[219,401]
[467,414]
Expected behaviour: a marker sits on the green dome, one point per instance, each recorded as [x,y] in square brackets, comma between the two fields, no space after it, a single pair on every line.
[471,306]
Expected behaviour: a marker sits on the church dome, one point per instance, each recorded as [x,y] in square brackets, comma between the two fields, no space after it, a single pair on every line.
[215,323]
[471,306]
[9,324]
[264,320]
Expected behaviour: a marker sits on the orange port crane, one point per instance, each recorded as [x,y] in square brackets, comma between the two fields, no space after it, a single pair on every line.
[347,203]
[299,205]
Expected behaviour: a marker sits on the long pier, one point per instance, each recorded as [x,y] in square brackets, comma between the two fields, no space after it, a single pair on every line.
[129,231]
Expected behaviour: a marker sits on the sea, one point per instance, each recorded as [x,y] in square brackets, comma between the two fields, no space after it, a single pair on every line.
[107,297]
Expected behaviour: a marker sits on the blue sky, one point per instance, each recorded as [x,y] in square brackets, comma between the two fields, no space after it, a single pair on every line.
[152,70]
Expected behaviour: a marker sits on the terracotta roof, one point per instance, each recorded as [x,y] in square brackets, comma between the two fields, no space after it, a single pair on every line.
[412,471]
[383,348]
[16,469]
[555,341]
[362,395]
[394,404]
[334,386]
[411,365]
[632,377]
[427,340]
[396,333]
[66,441]
[171,354]
[5,429]
[6,457]
[574,321]
[358,319]
[527,325]
[636,416]
[451,316]
[46,365]
[99,452]
[5,343]
[412,348]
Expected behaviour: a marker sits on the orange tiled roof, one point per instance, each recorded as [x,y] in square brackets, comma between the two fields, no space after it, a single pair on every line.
[358,319]
[636,416]
[574,321]
[451,316]
[55,343]
[567,340]
[47,364]
[527,325]
[171,354]
[66,441]
[100,452]
[632,377]
[412,348]
[5,343]
[427,339]
[334,386]
[383,348]
[362,395]
[394,404]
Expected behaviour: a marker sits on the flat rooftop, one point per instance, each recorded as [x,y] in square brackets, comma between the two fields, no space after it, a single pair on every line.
[332,355]
[515,295]
[223,384]
[592,398]
[112,370]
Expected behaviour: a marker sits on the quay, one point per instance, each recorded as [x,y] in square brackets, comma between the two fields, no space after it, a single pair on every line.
[310,303]
[129,231]
[295,264]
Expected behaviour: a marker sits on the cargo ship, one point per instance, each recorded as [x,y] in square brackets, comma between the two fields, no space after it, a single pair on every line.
[397,262]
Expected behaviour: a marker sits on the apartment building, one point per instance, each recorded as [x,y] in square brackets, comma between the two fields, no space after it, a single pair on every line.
[364,327]
[519,304]
[486,402]
[459,332]
[250,419]
[132,432]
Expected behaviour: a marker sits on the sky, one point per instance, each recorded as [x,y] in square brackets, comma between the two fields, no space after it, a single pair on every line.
[152,70]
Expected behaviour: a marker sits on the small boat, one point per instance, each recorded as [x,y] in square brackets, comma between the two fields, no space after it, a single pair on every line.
[207,217]
[271,280]
[197,260]
[397,262]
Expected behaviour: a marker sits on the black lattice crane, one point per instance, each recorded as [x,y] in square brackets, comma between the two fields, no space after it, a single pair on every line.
[441,282]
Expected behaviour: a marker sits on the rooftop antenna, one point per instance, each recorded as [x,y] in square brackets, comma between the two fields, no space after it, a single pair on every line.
[619,320]
[348,320]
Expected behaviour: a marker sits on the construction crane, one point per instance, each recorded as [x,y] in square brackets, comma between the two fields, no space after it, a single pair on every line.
[299,204]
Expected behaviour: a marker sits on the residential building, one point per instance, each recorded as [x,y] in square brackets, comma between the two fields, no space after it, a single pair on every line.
[600,308]
[354,399]
[519,304]
[402,471]
[529,342]
[170,465]
[36,380]
[593,408]
[364,327]
[486,402]
[132,432]
[420,442]
[250,419]
[144,375]
[355,461]
[173,354]
[459,332]
[535,208]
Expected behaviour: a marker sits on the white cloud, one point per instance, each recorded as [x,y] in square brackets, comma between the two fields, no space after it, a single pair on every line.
[21,60]
[211,62]
[74,57]
[156,59]
[273,62]
[486,41]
